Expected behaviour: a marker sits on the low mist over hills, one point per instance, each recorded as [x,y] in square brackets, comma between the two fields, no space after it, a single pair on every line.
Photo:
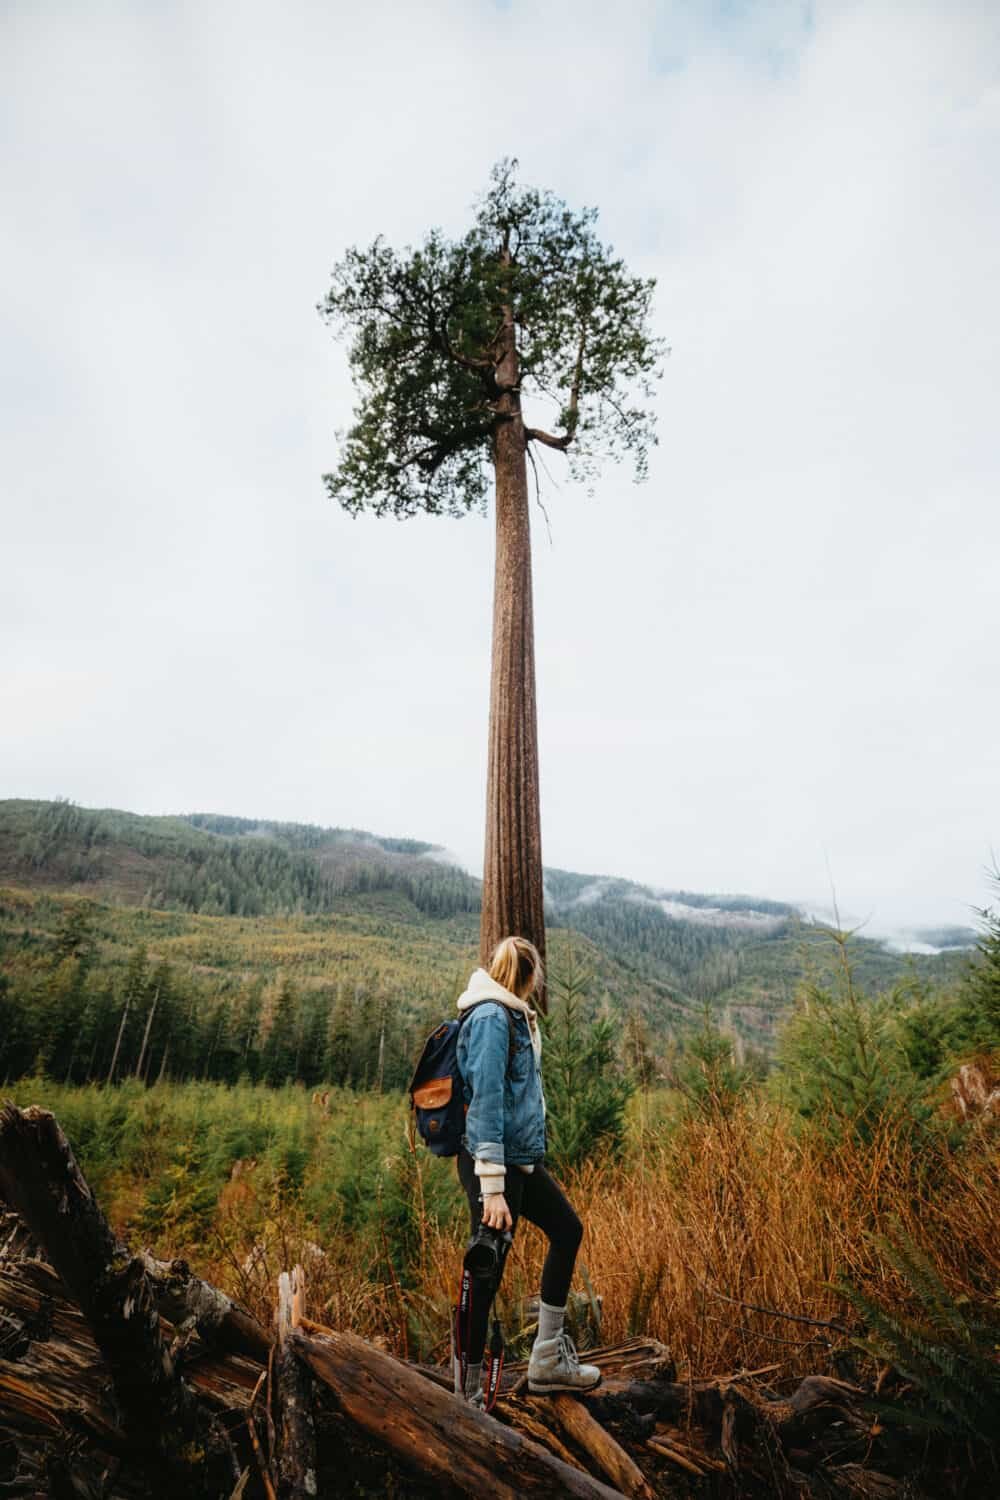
[664,954]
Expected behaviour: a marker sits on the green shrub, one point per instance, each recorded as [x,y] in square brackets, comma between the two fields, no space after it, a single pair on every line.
[841,1063]
[977,1017]
[941,1346]
[179,1206]
[586,1090]
[705,1070]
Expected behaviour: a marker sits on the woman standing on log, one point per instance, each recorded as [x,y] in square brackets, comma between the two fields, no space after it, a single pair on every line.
[500,1163]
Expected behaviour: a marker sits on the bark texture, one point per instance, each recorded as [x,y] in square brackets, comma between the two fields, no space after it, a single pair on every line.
[191,1303]
[438,1435]
[596,1441]
[297,1464]
[512,869]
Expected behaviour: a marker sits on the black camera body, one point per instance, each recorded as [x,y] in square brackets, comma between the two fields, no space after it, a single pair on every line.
[486,1253]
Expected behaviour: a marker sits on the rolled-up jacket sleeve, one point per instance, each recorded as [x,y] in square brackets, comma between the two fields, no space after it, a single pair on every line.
[484,1068]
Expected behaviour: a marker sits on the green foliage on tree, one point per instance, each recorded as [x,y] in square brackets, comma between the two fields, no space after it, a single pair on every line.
[586,1089]
[707,1073]
[338,1042]
[841,1061]
[430,330]
[280,1049]
[372,980]
[977,1022]
[179,1204]
[75,935]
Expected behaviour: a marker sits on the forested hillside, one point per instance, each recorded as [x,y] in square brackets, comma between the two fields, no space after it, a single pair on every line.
[217,947]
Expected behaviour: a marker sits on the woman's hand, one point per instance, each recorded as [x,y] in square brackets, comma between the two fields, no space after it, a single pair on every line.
[496,1214]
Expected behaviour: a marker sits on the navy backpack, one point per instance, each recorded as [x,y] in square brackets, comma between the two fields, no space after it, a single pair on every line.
[436,1093]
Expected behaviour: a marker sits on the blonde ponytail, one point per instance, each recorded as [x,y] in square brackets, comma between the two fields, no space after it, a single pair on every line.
[517,965]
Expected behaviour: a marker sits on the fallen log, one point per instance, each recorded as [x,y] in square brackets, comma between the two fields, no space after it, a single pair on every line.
[264,1466]
[190,1303]
[436,1434]
[16,1242]
[41,1181]
[607,1453]
[526,1417]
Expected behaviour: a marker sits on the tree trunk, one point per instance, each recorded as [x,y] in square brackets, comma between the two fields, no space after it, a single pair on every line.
[118,1041]
[145,1036]
[512,869]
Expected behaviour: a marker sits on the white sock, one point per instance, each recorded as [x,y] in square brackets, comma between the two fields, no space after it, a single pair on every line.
[473,1378]
[550,1320]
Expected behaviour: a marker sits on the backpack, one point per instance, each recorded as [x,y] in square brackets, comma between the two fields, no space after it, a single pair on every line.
[436,1094]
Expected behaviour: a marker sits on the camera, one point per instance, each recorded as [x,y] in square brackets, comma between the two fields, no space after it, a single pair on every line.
[486,1252]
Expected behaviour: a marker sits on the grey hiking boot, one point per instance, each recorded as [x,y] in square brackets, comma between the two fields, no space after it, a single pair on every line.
[555,1366]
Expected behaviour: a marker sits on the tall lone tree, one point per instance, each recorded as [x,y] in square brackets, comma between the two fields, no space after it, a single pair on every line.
[448,342]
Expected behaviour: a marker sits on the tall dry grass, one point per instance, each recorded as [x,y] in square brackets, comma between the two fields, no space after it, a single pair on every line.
[699,1216]
[738,1210]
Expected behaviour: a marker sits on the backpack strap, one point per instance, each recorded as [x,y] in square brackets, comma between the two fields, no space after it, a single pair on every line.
[511,1025]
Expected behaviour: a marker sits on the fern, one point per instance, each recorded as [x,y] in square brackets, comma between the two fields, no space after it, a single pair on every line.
[940,1345]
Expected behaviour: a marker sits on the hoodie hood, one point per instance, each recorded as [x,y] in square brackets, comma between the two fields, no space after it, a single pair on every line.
[481,987]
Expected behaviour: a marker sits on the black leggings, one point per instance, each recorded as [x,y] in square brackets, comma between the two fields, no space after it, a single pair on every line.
[537,1197]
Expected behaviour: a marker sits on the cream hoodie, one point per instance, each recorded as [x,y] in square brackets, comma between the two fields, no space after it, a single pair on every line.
[481,987]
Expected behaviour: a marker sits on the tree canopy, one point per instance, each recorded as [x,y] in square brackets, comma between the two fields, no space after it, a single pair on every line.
[430,332]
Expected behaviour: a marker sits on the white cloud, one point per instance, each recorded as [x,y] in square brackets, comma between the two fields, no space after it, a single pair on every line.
[780,650]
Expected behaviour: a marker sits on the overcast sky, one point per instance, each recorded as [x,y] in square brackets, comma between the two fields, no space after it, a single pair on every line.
[778,655]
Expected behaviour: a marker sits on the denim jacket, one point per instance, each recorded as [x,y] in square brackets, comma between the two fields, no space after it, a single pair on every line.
[506,1114]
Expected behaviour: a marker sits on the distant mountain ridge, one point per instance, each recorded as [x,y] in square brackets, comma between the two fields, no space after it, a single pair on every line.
[744,955]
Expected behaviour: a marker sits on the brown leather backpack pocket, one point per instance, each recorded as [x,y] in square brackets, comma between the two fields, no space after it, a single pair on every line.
[432,1094]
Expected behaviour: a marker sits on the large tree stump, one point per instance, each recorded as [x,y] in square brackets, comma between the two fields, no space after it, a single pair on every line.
[40,1179]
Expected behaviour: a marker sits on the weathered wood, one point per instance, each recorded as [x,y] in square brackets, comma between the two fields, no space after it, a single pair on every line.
[666,1450]
[822,1390]
[666,1398]
[297,1451]
[609,1456]
[263,1466]
[54,1387]
[16,1242]
[438,1435]
[680,1442]
[527,1417]
[190,1302]
[41,1181]
[52,1377]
